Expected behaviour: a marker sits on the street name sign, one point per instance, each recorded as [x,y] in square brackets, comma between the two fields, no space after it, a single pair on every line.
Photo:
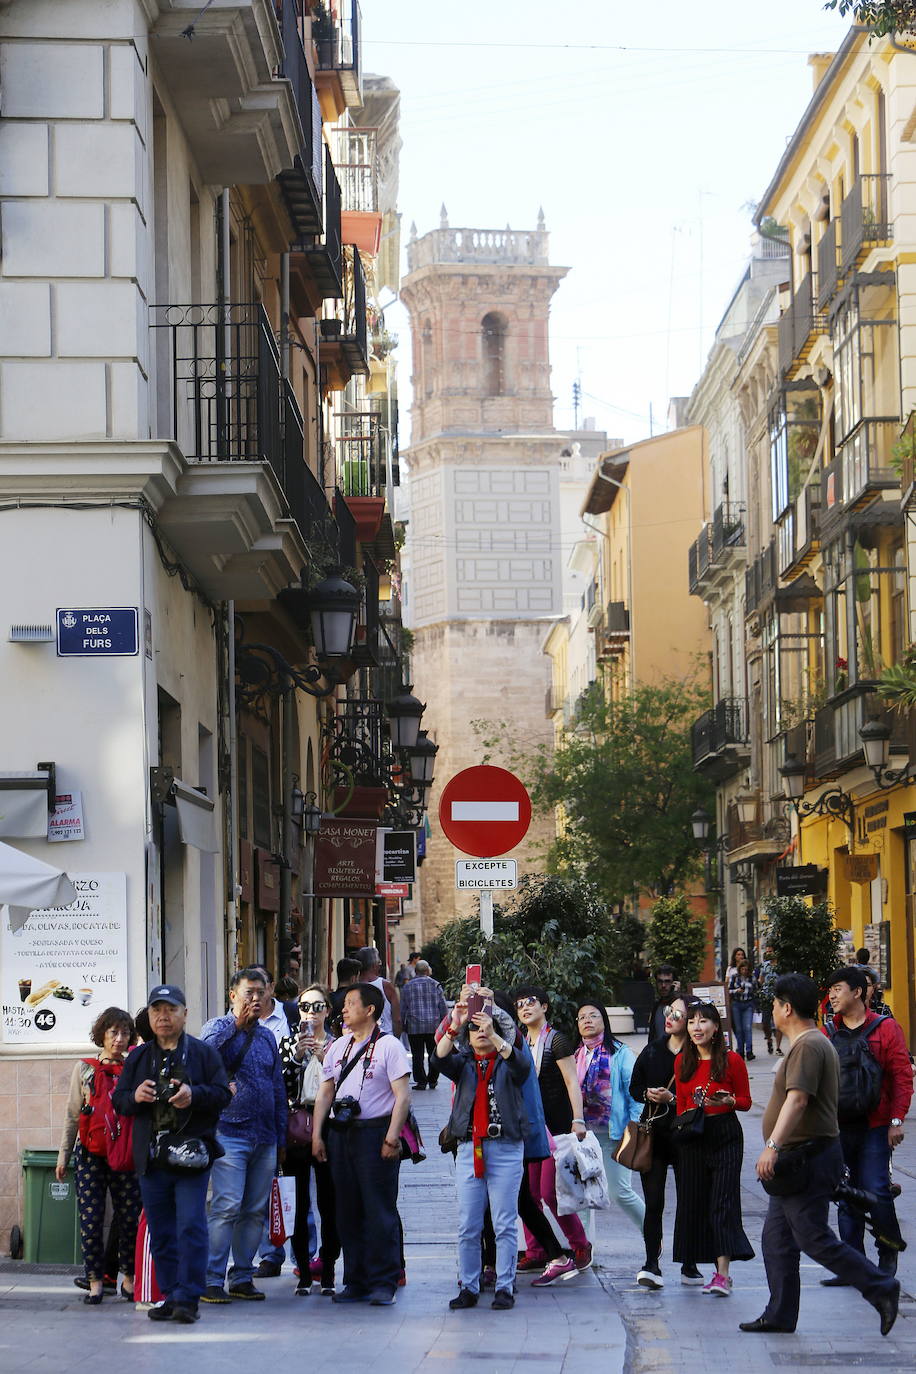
[97,632]
[485,811]
[486,874]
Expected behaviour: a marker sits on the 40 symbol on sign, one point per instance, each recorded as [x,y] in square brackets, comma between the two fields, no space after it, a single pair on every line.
[45,1020]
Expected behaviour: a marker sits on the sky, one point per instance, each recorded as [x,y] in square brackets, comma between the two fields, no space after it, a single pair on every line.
[647,133]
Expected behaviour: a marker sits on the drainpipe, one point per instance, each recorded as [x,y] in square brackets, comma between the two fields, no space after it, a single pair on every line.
[235,887]
[288,707]
[284,316]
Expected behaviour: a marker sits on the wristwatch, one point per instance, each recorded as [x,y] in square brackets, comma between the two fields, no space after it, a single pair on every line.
[771,1144]
[896,1121]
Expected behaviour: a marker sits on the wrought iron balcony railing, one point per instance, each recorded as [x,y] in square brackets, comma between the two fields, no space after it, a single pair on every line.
[723,727]
[301,184]
[324,251]
[360,440]
[355,153]
[727,529]
[828,265]
[865,216]
[799,324]
[760,579]
[866,459]
[339,47]
[348,328]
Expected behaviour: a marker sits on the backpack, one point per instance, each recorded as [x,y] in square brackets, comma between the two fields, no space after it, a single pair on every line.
[860,1073]
[98,1116]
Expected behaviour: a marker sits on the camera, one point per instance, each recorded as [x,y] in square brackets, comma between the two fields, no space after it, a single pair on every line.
[494,1132]
[165,1091]
[864,1202]
[345,1110]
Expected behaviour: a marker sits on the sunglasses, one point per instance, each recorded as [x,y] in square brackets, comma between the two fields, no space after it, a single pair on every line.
[674,1016]
[313,1006]
[527,1002]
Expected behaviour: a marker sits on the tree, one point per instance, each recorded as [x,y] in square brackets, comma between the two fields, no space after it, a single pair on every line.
[554,932]
[880,16]
[804,939]
[623,784]
[677,935]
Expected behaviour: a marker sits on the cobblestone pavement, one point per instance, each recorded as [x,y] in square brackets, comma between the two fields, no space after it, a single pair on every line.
[598,1321]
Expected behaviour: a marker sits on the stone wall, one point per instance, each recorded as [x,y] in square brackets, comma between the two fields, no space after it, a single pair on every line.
[478,670]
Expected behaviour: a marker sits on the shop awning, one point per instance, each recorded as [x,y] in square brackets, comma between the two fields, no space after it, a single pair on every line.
[26,800]
[27,884]
[196,820]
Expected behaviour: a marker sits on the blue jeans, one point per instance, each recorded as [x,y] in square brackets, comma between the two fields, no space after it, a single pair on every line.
[867,1155]
[799,1224]
[176,1218]
[620,1183]
[240,1188]
[743,1023]
[503,1162]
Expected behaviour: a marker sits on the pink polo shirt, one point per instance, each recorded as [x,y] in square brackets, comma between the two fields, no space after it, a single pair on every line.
[370,1082]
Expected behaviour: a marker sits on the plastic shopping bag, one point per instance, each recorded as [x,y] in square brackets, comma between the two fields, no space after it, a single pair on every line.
[575,1192]
[282,1213]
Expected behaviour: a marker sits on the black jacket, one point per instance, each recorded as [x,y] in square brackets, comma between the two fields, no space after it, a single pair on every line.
[508,1077]
[654,1068]
[199,1065]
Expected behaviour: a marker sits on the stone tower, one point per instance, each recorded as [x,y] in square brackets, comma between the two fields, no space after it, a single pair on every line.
[484,543]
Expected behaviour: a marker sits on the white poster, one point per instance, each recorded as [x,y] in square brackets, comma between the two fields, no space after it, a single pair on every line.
[66,820]
[64,966]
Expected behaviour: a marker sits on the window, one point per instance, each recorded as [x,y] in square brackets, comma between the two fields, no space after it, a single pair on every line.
[493,339]
[866,369]
[793,646]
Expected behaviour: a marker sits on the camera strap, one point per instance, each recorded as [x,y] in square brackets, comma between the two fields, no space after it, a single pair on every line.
[349,1065]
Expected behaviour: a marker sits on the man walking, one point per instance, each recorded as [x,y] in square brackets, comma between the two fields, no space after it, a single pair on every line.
[802,1111]
[281,1019]
[665,976]
[252,1133]
[365,1083]
[876,1087]
[175,1088]
[423,1006]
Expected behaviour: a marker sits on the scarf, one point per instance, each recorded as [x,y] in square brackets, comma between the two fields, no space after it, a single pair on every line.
[593,1067]
[481,1115]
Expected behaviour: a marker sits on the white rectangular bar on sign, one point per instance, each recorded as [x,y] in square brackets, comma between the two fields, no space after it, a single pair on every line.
[484,811]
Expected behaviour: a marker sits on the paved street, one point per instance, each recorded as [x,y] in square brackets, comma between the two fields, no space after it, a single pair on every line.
[598,1321]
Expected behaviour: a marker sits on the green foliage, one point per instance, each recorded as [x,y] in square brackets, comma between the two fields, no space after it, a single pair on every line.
[897,684]
[433,954]
[622,779]
[880,16]
[677,935]
[555,932]
[803,938]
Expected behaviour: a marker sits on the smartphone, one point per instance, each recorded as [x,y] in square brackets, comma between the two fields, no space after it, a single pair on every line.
[477,1003]
[473,975]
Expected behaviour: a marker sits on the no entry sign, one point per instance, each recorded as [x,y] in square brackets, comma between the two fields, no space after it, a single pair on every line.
[485,811]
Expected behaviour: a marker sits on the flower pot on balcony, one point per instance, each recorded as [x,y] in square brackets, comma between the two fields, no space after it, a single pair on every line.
[331,329]
[367,511]
[363,803]
[362,228]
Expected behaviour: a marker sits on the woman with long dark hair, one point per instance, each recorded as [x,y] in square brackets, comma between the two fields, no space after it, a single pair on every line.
[604,1066]
[708,1225]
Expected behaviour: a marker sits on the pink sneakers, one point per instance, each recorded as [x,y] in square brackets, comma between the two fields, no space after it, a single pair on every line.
[718,1287]
[558,1268]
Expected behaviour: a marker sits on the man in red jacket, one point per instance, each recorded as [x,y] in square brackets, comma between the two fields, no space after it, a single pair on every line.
[868,1139]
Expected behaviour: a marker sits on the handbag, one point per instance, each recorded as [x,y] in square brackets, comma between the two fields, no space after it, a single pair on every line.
[299,1128]
[183,1154]
[687,1128]
[412,1140]
[635,1148]
[121,1144]
[448,1143]
[281,1213]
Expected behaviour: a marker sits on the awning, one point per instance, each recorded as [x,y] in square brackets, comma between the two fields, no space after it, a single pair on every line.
[27,884]
[25,802]
[196,825]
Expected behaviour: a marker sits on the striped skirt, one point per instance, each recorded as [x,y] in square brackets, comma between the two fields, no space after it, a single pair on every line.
[708,1221]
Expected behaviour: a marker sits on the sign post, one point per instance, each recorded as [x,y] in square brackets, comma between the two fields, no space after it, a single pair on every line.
[485,812]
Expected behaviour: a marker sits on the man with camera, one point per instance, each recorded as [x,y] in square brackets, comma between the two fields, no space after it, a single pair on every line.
[252,1133]
[174,1087]
[360,1109]
[801,1165]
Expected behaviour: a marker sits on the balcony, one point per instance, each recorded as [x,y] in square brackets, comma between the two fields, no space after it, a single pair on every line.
[301,183]
[355,154]
[799,325]
[337,43]
[553,701]
[240,122]
[760,580]
[344,347]
[721,740]
[240,431]
[727,531]
[866,459]
[798,534]
[828,265]
[612,632]
[360,442]
[359,758]
[320,261]
[837,746]
[699,560]
[865,217]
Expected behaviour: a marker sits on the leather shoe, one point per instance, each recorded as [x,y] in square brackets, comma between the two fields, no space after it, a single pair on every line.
[763,1324]
[886,1307]
[464,1300]
[835,1282]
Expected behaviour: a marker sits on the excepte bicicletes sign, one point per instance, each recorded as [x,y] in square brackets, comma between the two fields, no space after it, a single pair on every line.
[486,874]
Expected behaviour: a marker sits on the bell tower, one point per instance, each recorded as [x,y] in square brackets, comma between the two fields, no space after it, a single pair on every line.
[484,533]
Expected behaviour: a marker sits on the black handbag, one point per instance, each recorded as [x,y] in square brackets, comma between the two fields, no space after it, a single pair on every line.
[186,1154]
[687,1128]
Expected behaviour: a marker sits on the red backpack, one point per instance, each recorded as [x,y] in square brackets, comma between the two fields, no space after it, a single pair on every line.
[98,1118]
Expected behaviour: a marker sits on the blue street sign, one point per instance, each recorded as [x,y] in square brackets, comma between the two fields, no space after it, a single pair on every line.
[97,631]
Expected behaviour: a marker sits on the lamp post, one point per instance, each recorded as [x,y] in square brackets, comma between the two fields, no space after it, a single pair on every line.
[404,713]
[876,739]
[833,802]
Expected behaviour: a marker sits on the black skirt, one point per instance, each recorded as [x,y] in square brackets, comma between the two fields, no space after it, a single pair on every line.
[708,1221]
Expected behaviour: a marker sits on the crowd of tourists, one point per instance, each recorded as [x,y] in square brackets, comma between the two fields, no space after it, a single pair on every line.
[188,1136]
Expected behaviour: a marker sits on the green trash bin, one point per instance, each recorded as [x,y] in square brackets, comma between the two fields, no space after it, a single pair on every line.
[52,1234]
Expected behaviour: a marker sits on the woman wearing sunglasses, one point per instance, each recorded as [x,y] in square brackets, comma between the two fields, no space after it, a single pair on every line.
[652,1083]
[300,1056]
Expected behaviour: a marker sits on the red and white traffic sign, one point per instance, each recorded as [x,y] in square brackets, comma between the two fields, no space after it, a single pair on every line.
[485,811]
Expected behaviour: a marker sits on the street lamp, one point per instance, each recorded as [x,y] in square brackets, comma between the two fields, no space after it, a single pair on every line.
[876,736]
[422,758]
[332,607]
[304,809]
[746,806]
[699,824]
[404,714]
[833,802]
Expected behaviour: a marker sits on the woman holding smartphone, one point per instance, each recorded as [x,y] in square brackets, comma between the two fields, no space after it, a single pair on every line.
[298,1052]
[708,1225]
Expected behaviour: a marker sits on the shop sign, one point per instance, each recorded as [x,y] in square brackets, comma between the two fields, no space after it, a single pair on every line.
[804,880]
[64,965]
[397,856]
[345,859]
[861,868]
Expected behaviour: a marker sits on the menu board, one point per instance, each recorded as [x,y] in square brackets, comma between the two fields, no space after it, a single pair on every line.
[62,966]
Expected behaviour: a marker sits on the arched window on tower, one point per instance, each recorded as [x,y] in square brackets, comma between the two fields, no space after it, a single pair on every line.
[493,339]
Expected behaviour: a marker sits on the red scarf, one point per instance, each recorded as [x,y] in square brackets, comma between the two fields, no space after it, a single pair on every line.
[481,1119]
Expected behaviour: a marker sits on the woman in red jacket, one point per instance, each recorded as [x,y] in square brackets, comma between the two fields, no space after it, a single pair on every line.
[708,1224]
